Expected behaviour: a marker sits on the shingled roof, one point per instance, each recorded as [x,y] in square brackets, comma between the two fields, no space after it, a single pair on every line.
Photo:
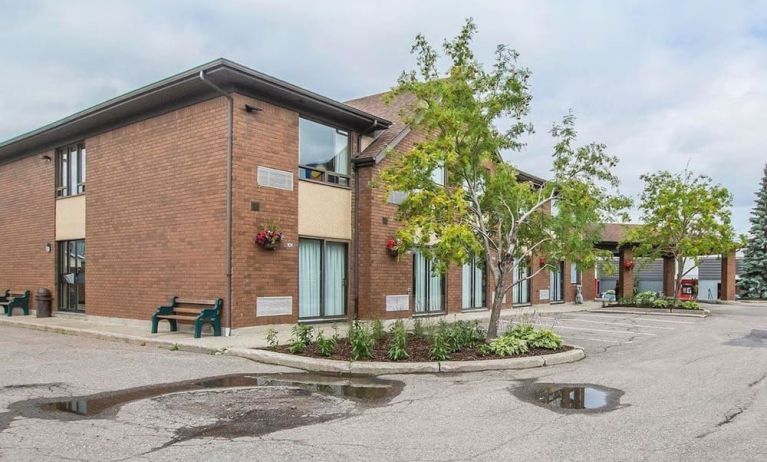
[375,104]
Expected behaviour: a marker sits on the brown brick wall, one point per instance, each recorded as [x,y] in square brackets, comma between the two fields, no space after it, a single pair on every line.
[268,138]
[155,211]
[28,209]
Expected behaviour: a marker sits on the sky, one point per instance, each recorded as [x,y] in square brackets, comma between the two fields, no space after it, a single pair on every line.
[663,84]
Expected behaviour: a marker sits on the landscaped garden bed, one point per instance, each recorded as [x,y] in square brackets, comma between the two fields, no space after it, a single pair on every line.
[651,300]
[443,341]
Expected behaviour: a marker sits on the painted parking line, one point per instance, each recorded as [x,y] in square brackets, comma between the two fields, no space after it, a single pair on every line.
[643,316]
[598,340]
[613,323]
[625,332]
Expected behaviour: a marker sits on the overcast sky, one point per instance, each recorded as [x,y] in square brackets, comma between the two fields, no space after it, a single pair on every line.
[661,83]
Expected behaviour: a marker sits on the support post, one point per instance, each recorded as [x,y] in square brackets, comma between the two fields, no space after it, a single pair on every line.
[669,271]
[728,276]
[625,274]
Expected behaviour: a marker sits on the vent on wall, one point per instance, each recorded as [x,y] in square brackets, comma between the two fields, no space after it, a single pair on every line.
[272,178]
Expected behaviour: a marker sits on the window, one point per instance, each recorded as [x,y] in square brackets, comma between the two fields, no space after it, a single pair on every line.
[323,153]
[520,292]
[438,175]
[575,274]
[429,287]
[556,283]
[321,278]
[71,256]
[70,170]
[474,284]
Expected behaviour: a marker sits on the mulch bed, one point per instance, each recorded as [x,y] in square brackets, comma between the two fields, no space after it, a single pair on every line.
[417,348]
[651,309]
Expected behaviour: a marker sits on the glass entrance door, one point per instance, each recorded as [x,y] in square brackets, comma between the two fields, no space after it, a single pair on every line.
[71,265]
[556,283]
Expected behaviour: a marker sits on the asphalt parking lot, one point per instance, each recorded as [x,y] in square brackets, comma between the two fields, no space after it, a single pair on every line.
[673,388]
[599,332]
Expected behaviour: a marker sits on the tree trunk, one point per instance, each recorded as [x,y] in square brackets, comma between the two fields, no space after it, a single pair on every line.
[495,311]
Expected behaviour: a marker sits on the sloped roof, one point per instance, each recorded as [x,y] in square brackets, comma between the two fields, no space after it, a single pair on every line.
[375,104]
[616,232]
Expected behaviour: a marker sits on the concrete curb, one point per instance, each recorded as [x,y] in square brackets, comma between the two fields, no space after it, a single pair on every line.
[704,313]
[387,368]
[317,364]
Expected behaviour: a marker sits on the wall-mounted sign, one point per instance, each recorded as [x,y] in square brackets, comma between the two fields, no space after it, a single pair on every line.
[274,306]
[543,294]
[273,178]
[397,302]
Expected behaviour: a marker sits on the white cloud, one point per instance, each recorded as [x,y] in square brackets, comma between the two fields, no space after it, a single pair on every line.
[660,83]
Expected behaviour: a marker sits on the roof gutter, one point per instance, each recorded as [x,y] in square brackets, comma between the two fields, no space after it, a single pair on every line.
[229,149]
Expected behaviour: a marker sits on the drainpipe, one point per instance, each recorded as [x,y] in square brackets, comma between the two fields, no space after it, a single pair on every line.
[229,144]
[358,163]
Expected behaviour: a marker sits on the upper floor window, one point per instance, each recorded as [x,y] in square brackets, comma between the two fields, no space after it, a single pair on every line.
[438,175]
[323,152]
[70,170]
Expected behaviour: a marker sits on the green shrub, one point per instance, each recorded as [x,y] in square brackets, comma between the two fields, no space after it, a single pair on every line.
[544,338]
[418,329]
[460,334]
[521,330]
[661,303]
[361,340]
[326,346]
[645,298]
[301,338]
[626,301]
[440,350]
[689,305]
[271,337]
[508,345]
[377,329]
[483,349]
[398,346]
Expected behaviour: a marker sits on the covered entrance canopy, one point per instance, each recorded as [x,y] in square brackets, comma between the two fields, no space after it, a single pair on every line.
[613,240]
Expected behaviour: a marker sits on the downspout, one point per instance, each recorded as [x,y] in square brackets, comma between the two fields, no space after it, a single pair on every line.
[229,145]
[356,237]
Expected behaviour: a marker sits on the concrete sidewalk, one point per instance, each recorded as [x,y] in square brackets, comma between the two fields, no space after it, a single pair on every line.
[138,332]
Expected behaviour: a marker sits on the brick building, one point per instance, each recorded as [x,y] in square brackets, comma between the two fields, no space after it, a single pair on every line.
[162,190]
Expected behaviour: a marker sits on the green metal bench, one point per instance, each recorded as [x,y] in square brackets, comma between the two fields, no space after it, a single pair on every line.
[191,310]
[15,299]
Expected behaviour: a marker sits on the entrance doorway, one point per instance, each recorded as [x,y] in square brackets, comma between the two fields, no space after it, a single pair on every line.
[71,276]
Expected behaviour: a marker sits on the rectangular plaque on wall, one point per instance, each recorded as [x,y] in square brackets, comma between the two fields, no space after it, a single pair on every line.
[274,306]
[273,178]
[397,302]
[543,294]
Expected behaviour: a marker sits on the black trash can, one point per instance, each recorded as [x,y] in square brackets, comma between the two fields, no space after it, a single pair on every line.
[43,303]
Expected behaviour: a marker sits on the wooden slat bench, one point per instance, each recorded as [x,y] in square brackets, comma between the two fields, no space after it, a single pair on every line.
[15,299]
[192,310]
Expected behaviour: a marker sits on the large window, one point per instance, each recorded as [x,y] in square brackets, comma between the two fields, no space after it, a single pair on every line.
[321,279]
[520,293]
[70,170]
[474,284]
[556,283]
[71,256]
[429,286]
[323,153]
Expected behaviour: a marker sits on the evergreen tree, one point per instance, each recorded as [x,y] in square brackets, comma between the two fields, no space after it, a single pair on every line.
[753,281]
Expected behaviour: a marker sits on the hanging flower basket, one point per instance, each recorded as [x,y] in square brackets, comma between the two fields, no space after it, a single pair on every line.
[269,238]
[392,247]
[629,265]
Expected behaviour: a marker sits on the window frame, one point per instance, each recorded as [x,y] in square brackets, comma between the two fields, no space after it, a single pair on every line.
[72,170]
[323,242]
[342,180]
[472,289]
[427,288]
[62,264]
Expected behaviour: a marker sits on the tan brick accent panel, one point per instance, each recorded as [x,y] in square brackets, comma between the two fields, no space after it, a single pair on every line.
[27,220]
[156,208]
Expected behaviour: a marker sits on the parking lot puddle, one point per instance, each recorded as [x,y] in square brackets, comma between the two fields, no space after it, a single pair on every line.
[361,390]
[568,398]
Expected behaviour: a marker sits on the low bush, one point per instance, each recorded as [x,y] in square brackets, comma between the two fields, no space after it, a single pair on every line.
[645,298]
[361,340]
[535,337]
[377,329]
[508,345]
[326,346]
[398,346]
[661,303]
[418,329]
[271,337]
[689,305]
[460,334]
[301,338]
[440,350]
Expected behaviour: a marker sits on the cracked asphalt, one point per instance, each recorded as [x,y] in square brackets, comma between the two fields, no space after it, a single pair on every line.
[695,390]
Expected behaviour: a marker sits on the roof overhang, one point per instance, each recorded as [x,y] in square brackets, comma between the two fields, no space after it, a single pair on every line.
[183,89]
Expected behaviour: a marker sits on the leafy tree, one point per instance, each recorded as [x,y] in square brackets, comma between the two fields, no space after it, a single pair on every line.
[753,280]
[685,217]
[482,207]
